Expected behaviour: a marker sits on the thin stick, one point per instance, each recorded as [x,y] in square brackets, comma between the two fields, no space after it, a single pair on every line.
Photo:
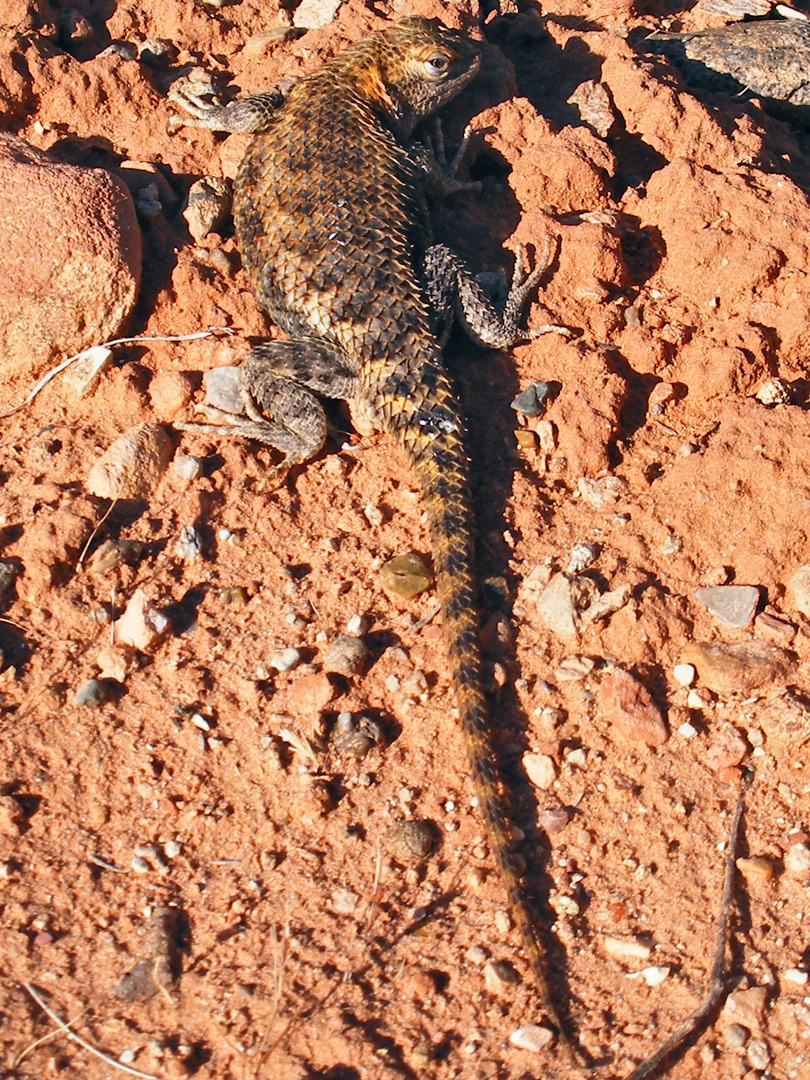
[717,986]
[95,531]
[46,378]
[83,1042]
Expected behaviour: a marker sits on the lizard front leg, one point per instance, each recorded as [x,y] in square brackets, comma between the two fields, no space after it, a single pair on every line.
[248,115]
[453,291]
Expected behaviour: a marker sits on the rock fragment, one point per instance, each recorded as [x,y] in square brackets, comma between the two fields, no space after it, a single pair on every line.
[132,466]
[142,625]
[406,575]
[595,107]
[532,1037]
[629,708]
[209,205]
[347,656]
[799,590]
[84,373]
[562,601]
[732,605]
[72,260]
[315,14]
[738,667]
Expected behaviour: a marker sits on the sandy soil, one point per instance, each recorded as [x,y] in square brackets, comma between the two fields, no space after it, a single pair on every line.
[273,924]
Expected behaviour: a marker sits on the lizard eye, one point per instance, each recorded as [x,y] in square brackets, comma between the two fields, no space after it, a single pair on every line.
[437,66]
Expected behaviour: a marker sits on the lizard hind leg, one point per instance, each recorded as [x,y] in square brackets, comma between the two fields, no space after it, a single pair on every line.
[280,380]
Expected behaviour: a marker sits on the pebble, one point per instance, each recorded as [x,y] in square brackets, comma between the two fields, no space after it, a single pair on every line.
[140,865]
[209,206]
[626,948]
[113,553]
[732,605]
[796,976]
[532,1037]
[355,736]
[142,625]
[358,625]
[91,694]
[199,721]
[687,730]
[126,1057]
[552,821]
[684,674]
[113,663]
[223,389]
[315,14]
[735,1035]
[727,749]
[171,849]
[540,769]
[747,1007]
[410,842]
[347,655]
[583,556]
[798,590]
[627,705]
[774,392]
[654,976]
[797,860]
[344,901]
[532,401]
[9,573]
[476,955]
[759,1054]
[406,575]
[498,975]
[737,667]
[84,374]
[189,545]
[595,109]
[285,659]
[598,493]
[133,465]
[756,869]
[187,467]
[574,669]
[608,603]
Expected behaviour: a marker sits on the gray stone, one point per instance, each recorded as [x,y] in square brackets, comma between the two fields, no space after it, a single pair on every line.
[732,605]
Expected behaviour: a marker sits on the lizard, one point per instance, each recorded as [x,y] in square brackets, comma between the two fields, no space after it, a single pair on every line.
[331,218]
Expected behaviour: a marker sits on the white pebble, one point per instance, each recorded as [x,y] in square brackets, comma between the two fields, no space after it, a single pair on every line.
[171,849]
[797,976]
[358,625]
[684,674]
[139,865]
[187,467]
[626,948]
[797,859]
[654,976]
[127,1057]
[694,700]
[146,851]
[476,955]
[285,659]
[531,1037]
[540,770]
[687,730]
[759,1054]
[577,757]
[199,721]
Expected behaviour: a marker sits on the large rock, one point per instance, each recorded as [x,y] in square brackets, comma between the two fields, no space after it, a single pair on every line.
[71,261]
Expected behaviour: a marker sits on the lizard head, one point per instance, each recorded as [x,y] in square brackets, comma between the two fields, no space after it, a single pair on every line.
[413,67]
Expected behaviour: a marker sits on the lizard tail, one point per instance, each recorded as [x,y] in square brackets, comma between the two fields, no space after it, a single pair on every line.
[440,463]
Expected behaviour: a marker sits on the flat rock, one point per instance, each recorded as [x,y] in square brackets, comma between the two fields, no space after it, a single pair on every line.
[627,705]
[738,666]
[71,261]
[732,605]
